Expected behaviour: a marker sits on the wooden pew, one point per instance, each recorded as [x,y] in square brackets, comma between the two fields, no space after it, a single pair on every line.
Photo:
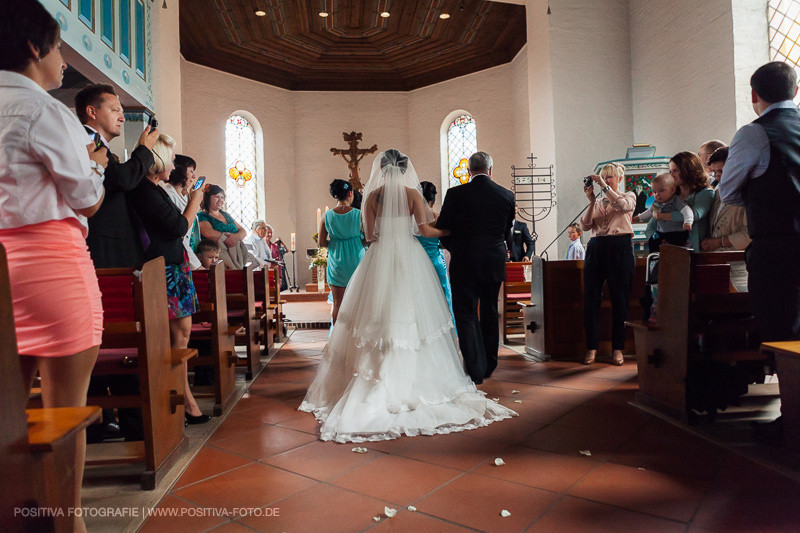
[554,318]
[276,304]
[787,362]
[136,342]
[210,326]
[242,317]
[37,454]
[698,356]
[513,291]
[265,312]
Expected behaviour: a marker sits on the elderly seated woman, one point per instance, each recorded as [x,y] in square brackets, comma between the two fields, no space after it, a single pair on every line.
[257,244]
[219,226]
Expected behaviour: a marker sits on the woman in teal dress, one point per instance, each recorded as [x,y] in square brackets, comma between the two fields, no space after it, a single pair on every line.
[434,250]
[340,231]
[218,226]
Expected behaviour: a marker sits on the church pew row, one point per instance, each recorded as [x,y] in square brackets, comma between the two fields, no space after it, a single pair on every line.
[37,451]
[242,317]
[212,335]
[787,363]
[703,351]
[265,312]
[136,342]
[554,318]
[276,304]
[513,291]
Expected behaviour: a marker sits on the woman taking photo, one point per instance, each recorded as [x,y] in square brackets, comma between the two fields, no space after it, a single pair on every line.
[609,259]
[340,232]
[166,227]
[219,226]
[50,181]
[692,181]
[178,186]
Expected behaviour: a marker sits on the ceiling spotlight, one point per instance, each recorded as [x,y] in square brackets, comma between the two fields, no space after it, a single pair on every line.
[260,13]
[385,14]
[323,14]
[444,16]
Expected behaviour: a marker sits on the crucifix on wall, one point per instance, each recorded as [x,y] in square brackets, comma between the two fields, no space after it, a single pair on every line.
[355,155]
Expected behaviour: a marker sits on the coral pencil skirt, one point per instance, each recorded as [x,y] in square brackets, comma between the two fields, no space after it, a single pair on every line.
[54,291]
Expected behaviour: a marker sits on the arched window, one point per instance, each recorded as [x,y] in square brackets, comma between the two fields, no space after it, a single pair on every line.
[784,32]
[241,190]
[462,142]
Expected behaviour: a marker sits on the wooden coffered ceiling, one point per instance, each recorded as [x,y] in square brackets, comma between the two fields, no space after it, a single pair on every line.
[354,48]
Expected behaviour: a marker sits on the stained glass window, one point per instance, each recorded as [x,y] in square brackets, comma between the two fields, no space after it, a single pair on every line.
[241,191]
[462,142]
[784,32]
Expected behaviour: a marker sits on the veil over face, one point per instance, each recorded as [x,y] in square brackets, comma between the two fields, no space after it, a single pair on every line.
[393,202]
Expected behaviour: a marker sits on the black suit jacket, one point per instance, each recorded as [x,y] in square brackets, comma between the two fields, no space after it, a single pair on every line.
[164,222]
[479,214]
[113,239]
[521,241]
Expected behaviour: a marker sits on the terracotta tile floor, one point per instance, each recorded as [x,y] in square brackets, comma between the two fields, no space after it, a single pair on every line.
[578,458]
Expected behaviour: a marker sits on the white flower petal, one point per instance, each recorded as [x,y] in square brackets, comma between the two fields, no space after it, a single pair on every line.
[388,511]
[412,508]
[514,392]
[517,401]
[585,452]
[376,518]
[359,449]
[499,462]
[495,399]
[505,513]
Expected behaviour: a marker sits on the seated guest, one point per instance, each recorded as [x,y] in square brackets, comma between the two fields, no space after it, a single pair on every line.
[50,181]
[114,238]
[256,244]
[575,252]
[521,240]
[708,148]
[674,230]
[219,226]
[178,186]
[728,223]
[207,253]
[166,226]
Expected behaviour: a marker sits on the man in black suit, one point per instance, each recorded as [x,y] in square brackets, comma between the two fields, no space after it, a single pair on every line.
[521,240]
[114,240]
[479,215]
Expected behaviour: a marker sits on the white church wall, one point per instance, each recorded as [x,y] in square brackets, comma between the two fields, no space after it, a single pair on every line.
[167,93]
[682,61]
[750,51]
[590,52]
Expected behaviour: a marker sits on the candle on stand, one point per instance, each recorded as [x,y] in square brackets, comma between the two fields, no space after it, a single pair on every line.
[326,208]
[319,217]
[293,246]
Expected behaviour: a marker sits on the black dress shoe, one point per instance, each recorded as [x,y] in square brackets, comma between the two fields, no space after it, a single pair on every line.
[192,420]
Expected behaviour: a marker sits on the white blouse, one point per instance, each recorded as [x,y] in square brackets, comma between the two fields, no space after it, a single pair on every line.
[45,171]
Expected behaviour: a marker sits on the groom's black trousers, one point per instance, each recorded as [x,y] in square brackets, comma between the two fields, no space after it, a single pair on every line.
[478,339]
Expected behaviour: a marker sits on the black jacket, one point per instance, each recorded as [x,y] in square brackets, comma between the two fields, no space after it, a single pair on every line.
[479,214]
[114,240]
[521,241]
[164,222]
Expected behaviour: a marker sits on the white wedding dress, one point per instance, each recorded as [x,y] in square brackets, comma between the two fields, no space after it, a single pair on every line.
[392,366]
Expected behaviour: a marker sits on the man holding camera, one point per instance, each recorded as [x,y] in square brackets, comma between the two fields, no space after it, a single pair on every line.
[114,240]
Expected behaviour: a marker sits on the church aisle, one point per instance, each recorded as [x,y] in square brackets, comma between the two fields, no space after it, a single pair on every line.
[578,458]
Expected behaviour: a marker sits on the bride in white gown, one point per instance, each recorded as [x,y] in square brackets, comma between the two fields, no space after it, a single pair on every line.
[392,366]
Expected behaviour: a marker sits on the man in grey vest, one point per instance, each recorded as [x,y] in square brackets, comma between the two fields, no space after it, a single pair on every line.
[762,173]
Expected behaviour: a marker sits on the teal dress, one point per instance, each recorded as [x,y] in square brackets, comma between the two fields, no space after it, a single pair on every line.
[345,249]
[436,256]
[700,202]
[228,227]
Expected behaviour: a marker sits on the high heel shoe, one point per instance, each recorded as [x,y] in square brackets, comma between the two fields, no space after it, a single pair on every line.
[193,420]
[588,359]
[618,358]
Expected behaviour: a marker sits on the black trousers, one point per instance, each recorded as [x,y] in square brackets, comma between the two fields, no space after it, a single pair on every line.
[773,281]
[478,339]
[608,260]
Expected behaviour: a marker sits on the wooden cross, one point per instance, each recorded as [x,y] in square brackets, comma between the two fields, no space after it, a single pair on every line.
[356,154]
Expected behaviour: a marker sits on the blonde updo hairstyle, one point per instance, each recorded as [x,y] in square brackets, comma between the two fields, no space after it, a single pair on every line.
[163,151]
[613,170]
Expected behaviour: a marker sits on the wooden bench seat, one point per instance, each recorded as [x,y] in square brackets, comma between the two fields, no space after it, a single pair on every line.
[143,350]
[787,362]
[513,291]
[241,303]
[276,304]
[37,446]
[210,329]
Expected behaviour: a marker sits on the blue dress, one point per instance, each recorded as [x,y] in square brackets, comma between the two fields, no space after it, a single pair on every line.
[345,249]
[436,256]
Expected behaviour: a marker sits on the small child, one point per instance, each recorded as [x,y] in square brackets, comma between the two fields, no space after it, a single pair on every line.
[667,201]
[575,250]
[207,252]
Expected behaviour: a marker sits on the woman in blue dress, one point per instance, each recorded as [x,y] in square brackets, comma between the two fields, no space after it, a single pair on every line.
[340,232]
[434,250]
